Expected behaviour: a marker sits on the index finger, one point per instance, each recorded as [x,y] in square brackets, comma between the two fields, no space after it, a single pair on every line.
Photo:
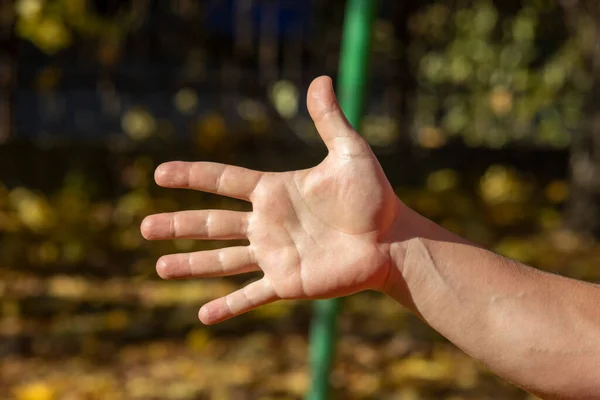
[222,179]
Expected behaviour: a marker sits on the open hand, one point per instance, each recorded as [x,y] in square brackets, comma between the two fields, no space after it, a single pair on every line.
[315,233]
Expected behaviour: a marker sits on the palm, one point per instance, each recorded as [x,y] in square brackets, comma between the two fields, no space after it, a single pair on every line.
[317,231]
[314,233]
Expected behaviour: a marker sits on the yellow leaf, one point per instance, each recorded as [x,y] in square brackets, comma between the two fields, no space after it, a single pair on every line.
[197,339]
[415,368]
[35,391]
[408,393]
[220,393]
[33,210]
[186,101]
[140,388]
[157,350]
[365,385]
[52,35]
[284,96]
[274,310]
[431,137]
[293,382]
[296,382]
[68,287]
[237,374]
[28,8]
[516,248]
[501,101]
[442,180]
[500,184]
[138,123]
[380,130]
[567,241]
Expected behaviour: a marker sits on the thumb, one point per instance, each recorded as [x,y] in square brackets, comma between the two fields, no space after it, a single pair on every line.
[327,114]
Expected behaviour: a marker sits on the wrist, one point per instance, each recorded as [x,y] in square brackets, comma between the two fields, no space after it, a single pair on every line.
[405,227]
[407,275]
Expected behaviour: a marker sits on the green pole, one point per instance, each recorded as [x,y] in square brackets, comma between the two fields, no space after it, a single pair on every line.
[354,62]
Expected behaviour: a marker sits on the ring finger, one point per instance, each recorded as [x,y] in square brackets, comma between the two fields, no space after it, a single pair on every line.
[207,264]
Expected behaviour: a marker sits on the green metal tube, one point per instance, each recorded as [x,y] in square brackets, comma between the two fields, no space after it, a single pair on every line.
[354,63]
[354,58]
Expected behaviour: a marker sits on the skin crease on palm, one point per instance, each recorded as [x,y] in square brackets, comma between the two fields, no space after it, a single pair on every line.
[317,233]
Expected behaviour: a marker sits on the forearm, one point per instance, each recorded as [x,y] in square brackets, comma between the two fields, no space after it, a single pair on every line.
[537,330]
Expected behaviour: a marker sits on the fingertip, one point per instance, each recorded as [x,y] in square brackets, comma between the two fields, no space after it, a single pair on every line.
[204,316]
[320,86]
[321,100]
[320,95]
[146,228]
[162,268]
[215,311]
[161,172]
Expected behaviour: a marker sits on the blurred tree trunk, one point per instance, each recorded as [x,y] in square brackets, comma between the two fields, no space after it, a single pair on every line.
[583,208]
[7,69]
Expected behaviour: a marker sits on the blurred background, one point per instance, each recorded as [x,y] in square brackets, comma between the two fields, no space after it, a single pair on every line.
[485,115]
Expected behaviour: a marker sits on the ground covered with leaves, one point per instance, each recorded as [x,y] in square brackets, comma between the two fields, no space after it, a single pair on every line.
[383,353]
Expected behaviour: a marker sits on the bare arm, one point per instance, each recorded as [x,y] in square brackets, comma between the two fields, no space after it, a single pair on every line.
[338,228]
[537,330]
